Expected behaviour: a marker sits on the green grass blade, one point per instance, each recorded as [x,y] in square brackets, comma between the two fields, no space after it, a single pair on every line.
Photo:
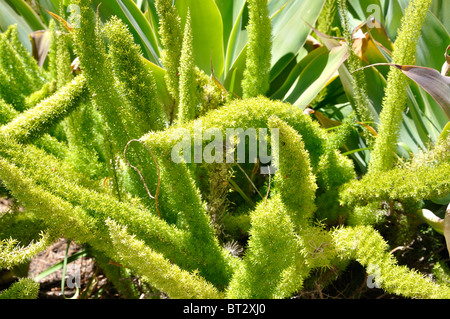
[60,265]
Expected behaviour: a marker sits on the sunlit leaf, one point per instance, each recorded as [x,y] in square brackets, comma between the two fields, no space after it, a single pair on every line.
[436,84]
[40,44]
[207,31]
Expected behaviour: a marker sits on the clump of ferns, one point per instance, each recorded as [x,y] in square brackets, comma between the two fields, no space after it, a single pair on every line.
[154,220]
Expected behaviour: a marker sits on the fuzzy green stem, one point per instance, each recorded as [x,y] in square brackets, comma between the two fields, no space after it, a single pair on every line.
[171,38]
[32,123]
[25,288]
[258,63]
[383,155]
[188,91]
[156,269]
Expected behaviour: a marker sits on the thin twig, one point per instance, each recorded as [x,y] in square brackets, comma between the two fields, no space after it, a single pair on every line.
[251,182]
[140,175]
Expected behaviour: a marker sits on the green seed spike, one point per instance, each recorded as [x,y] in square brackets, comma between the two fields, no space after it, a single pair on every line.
[33,123]
[256,74]
[28,61]
[360,98]
[295,182]
[171,38]
[138,82]
[383,155]
[25,288]
[368,247]
[157,270]
[272,237]
[189,98]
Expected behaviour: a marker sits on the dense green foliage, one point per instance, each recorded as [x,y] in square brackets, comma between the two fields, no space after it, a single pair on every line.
[116,155]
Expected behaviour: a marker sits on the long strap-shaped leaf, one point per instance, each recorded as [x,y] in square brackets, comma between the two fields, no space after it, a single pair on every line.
[431,80]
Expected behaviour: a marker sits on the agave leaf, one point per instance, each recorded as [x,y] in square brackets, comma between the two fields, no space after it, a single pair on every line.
[392,17]
[431,80]
[294,73]
[295,16]
[445,132]
[237,40]
[231,12]
[433,43]
[28,14]
[140,26]
[9,16]
[316,75]
[441,8]
[207,31]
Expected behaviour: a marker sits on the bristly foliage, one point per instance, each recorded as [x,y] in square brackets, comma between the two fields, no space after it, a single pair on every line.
[383,155]
[171,39]
[90,157]
[257,69]
[187,108]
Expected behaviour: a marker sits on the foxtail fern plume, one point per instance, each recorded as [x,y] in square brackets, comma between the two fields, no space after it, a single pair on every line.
[367,246]
[36,73]
[51,55]
[383,154]
[12,254]
[94,157]
[177,283]
[138,80]
[7,112]
[360,98]
[259,276]
[257,70]
[171,38]
[325,20]
[63,62]
[91,50]
[296,183]
[122,118]
[15,58]
[19,72]
[188,89]
[25,288]
[30,124]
